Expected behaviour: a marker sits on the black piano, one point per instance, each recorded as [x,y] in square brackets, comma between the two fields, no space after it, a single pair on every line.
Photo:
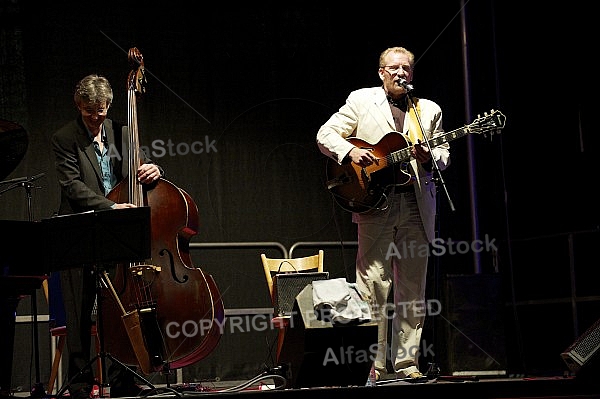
[63,242]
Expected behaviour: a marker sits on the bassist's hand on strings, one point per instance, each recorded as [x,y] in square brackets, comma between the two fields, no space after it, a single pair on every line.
[148,173]
[362,157]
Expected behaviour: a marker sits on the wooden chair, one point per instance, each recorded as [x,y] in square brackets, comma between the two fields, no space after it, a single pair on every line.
[59,338]
[273,266]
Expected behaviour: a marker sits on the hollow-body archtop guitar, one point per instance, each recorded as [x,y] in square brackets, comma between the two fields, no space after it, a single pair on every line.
[358,189]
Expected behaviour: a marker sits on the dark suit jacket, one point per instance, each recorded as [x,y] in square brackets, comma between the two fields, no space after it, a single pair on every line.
[77,167]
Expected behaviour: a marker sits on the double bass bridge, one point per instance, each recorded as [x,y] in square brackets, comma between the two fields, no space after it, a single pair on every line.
[141,269]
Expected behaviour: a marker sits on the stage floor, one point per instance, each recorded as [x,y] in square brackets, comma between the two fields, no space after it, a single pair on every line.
[475,387]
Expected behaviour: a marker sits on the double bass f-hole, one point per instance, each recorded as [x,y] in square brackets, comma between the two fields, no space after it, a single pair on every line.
[183,278]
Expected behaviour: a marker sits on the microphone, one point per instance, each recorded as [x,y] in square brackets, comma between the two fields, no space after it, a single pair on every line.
[407,86]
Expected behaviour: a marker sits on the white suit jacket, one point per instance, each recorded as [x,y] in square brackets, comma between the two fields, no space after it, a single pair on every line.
[366,115]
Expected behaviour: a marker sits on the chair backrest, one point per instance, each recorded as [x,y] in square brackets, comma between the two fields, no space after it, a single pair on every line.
[273,266]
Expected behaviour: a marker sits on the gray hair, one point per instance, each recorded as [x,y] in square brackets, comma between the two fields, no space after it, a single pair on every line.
[93,89]
[411,56]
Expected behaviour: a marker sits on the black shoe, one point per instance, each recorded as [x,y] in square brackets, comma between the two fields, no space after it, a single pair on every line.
[79,391]
[127,391]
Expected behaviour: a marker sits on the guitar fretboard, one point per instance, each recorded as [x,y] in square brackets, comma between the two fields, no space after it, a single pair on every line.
[492,122]
[405,153]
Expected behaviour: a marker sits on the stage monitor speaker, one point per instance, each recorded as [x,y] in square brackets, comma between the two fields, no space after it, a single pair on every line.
[473,325]
[288,285]
[584,350]
[318,354]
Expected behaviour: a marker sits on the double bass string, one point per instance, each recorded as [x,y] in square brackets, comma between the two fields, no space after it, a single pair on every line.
[153,290]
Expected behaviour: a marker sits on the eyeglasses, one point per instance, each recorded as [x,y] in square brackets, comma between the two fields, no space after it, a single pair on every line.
[394,69]
[89,111]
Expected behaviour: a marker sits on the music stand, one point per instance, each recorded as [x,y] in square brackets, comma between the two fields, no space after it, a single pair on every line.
[125,231]
[82,238]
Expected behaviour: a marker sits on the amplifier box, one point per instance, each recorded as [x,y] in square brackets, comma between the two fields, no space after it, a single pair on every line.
[287,286]
[317,354]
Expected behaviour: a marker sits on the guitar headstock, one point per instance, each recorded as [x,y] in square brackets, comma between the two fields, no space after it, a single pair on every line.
[492,122]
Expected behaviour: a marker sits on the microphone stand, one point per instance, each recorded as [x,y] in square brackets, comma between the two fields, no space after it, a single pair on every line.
[37,391]
[26,183]
[102,279]
[433,370]
[437,175]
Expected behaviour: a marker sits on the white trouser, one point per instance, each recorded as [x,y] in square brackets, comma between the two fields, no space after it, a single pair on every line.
[393,252]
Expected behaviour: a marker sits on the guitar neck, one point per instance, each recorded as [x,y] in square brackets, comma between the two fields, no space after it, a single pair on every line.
[452,135]
[405,153]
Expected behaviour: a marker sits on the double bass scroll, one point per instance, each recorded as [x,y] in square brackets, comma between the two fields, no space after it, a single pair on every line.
[165,294]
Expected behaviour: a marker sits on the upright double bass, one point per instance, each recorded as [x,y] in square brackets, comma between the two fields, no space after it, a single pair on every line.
[161,313]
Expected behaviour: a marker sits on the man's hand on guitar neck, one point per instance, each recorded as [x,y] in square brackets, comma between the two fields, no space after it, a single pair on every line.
[420,152]
[362,157]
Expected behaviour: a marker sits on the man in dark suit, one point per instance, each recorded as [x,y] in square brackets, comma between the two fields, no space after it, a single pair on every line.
[90,160]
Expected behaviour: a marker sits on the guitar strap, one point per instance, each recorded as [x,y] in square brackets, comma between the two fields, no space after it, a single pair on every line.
[414,129]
